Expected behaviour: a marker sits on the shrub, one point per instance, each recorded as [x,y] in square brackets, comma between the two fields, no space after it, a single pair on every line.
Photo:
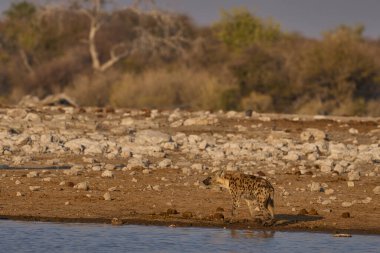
[163,88]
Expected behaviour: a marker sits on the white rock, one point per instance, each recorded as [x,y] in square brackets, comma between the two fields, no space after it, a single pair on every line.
[108,174]
[151,137]
[17,182]
[316,187]
[146,171]
[134,163]
[107,196]
[376,190]
[329,191]
[198,167]
[326,202]
[156,187]
[354,176]
[350,184]
[32,174]
[367,200]
[339,168]
[34,188]
[292,156]
[353,131]
[19,194]
[165,163]
[346,204]
[201,121]
[82,186]
[74,171]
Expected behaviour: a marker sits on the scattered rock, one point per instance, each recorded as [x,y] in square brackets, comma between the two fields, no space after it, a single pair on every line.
[316,187]
[108,174]
[354,176]
[346,204]
[34,188]
[107,196]
[82,186]
[376,190]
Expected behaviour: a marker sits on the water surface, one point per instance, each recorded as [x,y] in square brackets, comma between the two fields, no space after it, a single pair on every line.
[16,236]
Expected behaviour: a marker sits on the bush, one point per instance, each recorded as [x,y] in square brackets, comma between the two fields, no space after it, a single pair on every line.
[162,88]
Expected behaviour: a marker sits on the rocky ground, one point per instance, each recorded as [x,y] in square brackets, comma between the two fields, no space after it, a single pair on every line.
[146,167]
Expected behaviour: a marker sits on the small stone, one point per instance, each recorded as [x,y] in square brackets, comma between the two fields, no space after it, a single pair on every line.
[346,204]
[146,171]
[108,174]
[32,174]
[165,163]
[329,191]
[350,184]
[107,196]
[96,168]
[326,202]
[316,187]
[17,182]
[198,167]
[134,180]
[376,190]
[353,131]
[346,215]
[156,187]
[67,203]
[354,176]
[109,167]
[19,194]
[82,186]
[34,188]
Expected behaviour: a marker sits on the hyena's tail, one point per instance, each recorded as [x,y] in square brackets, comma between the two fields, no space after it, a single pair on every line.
[270,204]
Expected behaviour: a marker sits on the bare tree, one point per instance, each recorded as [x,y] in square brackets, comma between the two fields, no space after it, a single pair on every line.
[169,37]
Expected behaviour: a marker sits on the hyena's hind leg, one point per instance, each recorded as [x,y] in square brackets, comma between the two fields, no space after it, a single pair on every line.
[251,204]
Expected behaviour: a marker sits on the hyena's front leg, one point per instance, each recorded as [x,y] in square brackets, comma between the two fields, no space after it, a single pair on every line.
[235,203]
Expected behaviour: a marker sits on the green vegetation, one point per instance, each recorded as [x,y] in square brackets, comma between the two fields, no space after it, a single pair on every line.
[155,59]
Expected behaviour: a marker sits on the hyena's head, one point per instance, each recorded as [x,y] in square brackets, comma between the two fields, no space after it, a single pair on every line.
[219,178]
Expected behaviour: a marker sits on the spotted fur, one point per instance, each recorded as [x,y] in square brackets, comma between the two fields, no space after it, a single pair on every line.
[254,190]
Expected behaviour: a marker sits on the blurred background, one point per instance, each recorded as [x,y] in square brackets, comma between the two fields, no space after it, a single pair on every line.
[285,56]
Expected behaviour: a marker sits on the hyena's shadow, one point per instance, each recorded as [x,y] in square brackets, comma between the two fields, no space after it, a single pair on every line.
[287,219]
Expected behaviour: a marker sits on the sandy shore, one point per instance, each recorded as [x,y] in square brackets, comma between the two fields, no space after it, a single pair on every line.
[121,188]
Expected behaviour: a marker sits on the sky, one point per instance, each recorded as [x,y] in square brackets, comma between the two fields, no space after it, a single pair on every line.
[309,17]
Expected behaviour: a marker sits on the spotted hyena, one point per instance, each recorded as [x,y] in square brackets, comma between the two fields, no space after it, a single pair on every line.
[254,190]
